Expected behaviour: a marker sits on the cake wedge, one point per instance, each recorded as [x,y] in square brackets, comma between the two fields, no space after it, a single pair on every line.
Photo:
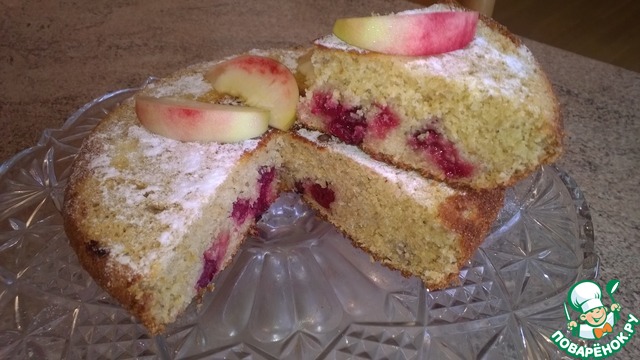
[482,116]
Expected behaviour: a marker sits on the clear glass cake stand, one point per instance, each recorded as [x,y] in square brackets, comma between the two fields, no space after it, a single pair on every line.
[298,290]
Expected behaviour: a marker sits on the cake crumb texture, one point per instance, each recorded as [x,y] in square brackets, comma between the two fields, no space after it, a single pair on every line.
[482,116]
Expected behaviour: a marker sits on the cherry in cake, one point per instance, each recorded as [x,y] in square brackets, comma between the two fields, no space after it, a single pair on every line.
[349,123]
[433,145]
[244,208]
[243,211]
[323,195]
[212,259]
[344,122]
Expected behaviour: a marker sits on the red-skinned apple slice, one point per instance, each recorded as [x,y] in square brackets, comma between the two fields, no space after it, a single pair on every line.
[261,82]
[416,34]
[188,120]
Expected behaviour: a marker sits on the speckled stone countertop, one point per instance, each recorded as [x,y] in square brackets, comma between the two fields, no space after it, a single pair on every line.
[57,55]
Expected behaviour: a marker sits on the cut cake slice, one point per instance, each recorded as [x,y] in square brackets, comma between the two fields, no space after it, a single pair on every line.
[482,116]
[153,220]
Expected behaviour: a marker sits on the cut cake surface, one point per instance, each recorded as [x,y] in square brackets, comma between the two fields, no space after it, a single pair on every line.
[481,116]
[154,220]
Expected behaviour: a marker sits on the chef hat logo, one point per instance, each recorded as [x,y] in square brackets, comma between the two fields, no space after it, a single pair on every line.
[585,296]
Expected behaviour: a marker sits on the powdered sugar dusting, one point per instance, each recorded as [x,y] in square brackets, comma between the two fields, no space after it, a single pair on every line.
[500,72]
[156,186]
[424,191]
[432,8]
[151,179]
[288,58]
[190,172]
[194,85]
[103,162]
[333,42]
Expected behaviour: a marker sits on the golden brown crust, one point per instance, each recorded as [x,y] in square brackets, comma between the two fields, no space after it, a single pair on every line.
[558,128]
[470,214]
[116,279]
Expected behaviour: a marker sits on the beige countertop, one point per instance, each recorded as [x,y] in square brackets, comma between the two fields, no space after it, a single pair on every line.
[57,55]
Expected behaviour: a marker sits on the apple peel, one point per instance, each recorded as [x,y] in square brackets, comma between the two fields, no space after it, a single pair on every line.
[189,120]
[416,34]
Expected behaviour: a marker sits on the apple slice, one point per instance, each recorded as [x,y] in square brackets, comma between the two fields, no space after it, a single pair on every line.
[261,82]
[189,120]
[415,34]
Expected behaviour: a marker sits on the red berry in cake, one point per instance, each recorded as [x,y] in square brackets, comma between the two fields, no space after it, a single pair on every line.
[267,191]
[213,257]
[440,151]
[323,195]
[383,122]
[346,123]
[209,271]
[242,209]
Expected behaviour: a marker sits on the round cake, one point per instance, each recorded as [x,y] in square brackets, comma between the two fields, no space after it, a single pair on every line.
[154,212]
